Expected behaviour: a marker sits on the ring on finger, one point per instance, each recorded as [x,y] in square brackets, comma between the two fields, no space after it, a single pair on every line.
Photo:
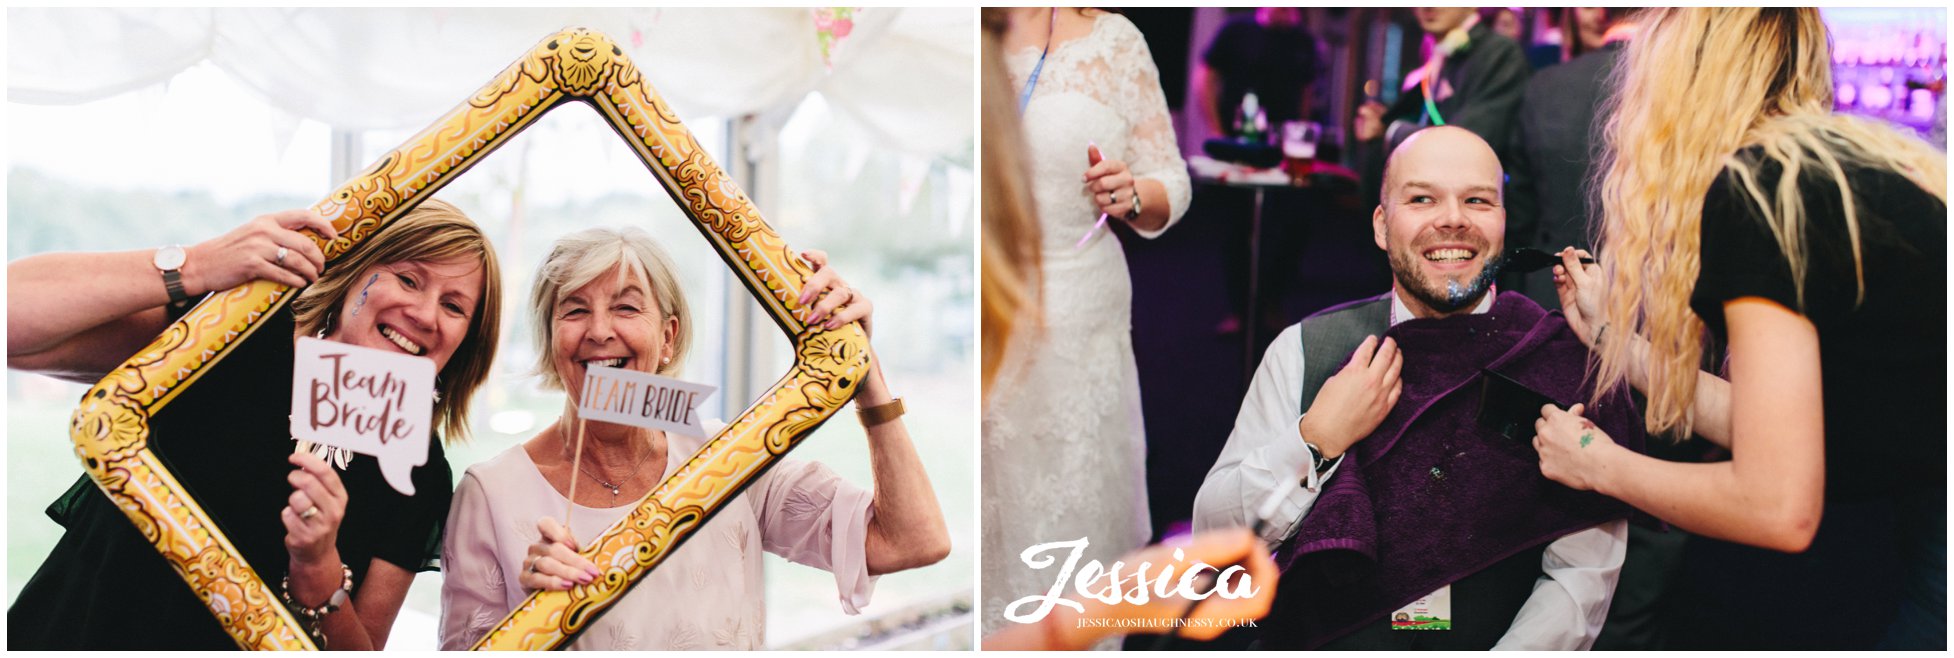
[1115,195]
[309,512]
[280,258]
[529,565]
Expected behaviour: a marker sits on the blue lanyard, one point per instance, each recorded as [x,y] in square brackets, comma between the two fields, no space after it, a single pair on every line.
[1032,83]
[1024,98]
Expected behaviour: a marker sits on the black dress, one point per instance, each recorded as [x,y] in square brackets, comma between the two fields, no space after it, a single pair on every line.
[226,439]
[1882,540]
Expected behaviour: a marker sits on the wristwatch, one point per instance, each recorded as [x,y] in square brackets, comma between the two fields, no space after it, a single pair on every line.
[169,260]
[881,413]
[1316,460]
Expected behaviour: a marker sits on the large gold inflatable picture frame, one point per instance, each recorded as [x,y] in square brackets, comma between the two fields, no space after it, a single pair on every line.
[111,428]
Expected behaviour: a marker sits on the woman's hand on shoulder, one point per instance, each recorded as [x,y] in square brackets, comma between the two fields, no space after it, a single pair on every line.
[553,562]
[314,510]
[838,303]
[251,252]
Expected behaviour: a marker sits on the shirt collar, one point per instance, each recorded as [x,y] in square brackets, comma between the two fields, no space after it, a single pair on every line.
[1400,312]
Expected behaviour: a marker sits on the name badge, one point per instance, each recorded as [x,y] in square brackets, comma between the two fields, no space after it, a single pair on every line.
[1432,612]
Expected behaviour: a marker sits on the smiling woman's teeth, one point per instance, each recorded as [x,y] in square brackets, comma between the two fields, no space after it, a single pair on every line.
[1448,254]
[608,363]
[408,345]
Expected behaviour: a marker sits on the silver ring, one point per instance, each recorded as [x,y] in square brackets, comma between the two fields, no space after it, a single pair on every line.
[1115,195]
[280,259]
[530,565]
[309,512]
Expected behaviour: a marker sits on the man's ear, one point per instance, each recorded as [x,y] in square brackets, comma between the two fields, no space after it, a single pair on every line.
[1377,226]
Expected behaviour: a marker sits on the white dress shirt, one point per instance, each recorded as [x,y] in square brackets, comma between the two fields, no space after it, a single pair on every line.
[1265,452]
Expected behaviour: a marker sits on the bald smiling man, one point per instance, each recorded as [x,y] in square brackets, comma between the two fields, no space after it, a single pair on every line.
[1387,443]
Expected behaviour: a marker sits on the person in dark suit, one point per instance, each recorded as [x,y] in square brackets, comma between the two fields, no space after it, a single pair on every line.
[1477,76]
[1550,182]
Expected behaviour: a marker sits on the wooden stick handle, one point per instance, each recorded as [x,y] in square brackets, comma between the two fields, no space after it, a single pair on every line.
[576,466]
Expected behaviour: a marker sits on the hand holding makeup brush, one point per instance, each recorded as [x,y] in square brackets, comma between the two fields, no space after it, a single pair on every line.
[1578,282]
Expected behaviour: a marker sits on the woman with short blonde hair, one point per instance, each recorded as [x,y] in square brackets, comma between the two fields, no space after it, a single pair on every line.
[611,298]
[582,257]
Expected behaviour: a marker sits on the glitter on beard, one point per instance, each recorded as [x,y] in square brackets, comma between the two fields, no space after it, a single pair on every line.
[1456,295]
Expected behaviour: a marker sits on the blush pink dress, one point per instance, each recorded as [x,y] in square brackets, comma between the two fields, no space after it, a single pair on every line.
[708,594]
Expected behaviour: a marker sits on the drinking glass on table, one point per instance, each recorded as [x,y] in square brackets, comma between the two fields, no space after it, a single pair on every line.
[1299,139]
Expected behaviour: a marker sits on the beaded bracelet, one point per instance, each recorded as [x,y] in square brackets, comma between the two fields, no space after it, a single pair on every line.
[312,617]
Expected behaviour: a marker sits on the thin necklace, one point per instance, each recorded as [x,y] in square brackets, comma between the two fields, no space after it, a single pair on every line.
[619,485]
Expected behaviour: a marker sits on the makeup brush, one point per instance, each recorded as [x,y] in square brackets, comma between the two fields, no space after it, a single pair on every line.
[1528,259]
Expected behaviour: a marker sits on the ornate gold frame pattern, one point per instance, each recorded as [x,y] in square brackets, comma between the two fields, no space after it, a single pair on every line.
[110,429]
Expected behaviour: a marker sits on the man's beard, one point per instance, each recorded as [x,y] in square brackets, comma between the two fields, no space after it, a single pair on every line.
[1452,294]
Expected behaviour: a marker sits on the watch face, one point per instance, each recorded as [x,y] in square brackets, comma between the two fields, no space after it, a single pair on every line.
[169,258]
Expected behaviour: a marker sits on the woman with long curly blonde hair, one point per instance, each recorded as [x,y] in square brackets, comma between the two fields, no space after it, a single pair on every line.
[1737,208]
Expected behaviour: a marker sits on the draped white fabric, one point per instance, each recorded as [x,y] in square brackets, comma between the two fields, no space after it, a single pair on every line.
[902,77]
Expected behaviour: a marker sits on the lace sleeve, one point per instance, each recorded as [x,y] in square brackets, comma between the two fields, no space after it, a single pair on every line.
[1155,150]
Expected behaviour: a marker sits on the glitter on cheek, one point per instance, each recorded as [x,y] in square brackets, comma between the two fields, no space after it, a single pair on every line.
[361,303]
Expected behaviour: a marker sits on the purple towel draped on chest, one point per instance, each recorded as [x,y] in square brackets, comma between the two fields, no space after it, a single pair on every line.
[1431,496]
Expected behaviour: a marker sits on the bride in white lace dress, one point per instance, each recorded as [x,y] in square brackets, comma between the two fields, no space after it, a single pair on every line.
[1064,444]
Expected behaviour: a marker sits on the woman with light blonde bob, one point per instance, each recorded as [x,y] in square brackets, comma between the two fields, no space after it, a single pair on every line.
[612,298]
[1737,207]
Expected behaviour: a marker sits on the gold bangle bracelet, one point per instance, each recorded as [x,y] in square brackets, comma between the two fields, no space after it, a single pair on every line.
[881,413]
